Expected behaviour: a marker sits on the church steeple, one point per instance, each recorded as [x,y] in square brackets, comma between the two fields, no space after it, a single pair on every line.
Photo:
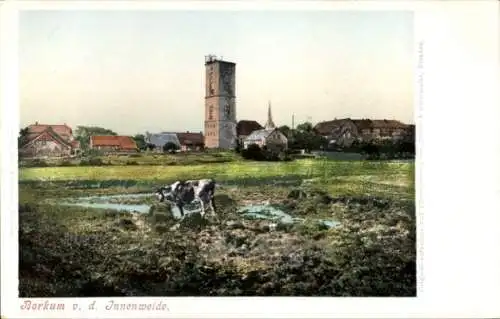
[269,124]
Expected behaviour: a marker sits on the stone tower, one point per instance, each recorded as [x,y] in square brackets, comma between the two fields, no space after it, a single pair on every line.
[220,103]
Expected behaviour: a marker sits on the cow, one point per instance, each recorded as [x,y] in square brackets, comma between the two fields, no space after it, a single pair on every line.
[186,192]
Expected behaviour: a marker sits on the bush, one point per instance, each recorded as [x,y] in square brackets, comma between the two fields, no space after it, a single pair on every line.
[283,156]
[253,152]
[93,153]
[170,147]
[37,163]
[65,163]
[93,161]
[238,147]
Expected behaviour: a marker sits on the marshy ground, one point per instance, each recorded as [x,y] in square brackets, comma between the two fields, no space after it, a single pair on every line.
[346,229]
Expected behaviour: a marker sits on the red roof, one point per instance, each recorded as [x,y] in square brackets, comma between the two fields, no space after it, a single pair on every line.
[122,142]
[63,130]
[189,138]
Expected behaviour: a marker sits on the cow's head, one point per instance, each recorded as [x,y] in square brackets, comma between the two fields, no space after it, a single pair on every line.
[163,193]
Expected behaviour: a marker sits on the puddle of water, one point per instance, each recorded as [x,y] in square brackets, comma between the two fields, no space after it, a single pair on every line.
[85,202]
[114,196]
[271,213]
[129,208]
[329,223]
[266,212]
[139,208]
[263,211]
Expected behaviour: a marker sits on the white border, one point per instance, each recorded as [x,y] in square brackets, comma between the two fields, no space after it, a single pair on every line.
[461,194]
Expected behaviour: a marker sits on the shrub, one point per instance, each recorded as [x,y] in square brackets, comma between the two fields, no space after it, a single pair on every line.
[93,152]
[65,163]
[253,152]
[170,147]
[93,161]
[36,163]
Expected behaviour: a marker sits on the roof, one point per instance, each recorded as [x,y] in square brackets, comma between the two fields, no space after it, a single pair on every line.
[388,124]
[123,142]
[47,135]
[189,138]
[259,134]
[327,126]
[160,139]
[245,127]
[59,129]
[361,124]
[213,59]
[63,131]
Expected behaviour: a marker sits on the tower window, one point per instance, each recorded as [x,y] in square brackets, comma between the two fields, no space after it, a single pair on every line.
[211,112]
[227,111]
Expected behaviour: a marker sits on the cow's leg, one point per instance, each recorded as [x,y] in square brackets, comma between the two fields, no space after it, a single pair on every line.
[202,204]
[181,210]
[212,205]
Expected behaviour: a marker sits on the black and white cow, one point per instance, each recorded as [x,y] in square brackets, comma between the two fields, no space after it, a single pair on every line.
[186,192]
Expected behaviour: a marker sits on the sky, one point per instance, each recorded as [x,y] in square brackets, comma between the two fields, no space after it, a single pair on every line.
[137,71]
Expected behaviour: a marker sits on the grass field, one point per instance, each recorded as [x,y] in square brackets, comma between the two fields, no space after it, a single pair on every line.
[81,251]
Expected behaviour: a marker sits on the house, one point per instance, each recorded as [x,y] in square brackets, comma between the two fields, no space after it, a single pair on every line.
[269,137]
[191,141]
[159,140]
[338,132]
[345,131]
[245,127]
[113,144]
[45,140]
[185,141]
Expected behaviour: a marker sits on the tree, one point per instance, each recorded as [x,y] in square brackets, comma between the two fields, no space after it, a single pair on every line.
[304,137]
[140,140]
[170,147]
[405,148]
[370,149]
[305,127]
[83,134]
[285,130]
[23,134]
